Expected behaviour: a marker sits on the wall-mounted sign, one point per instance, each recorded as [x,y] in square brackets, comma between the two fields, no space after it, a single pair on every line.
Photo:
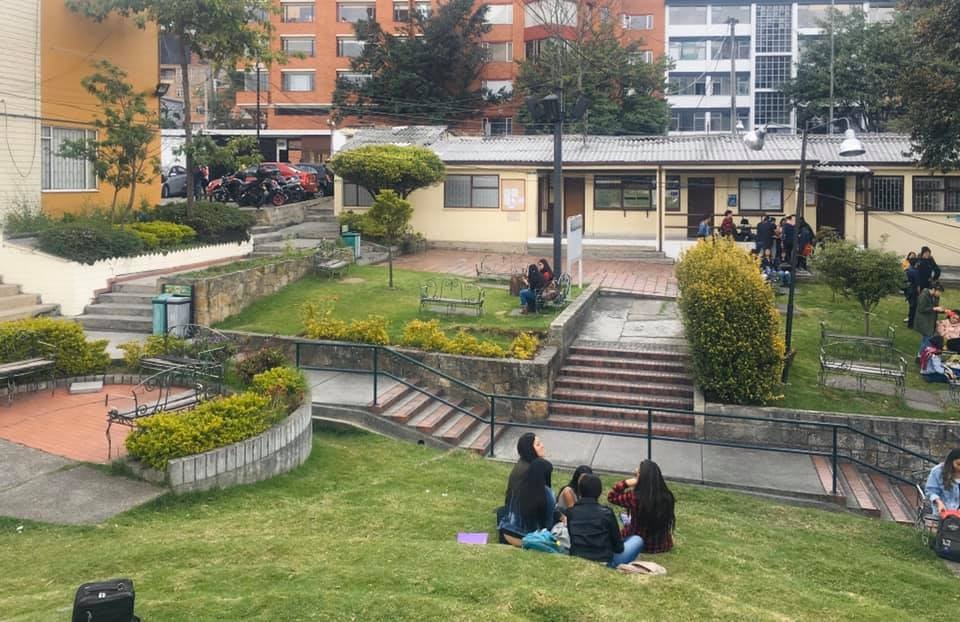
[513,195]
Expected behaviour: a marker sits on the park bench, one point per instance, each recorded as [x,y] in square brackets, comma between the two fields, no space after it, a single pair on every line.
[41,363]
[331,260]
[503,270]
[450,296]
[862,358]
[561,285]
[885,340]
[169,390]
[194,350]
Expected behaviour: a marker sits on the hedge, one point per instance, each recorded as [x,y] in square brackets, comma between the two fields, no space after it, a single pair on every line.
[214,223]
[732,323]
[75,356]
[87,241]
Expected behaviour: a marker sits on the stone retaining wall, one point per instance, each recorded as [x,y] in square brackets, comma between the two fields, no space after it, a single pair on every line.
[924,436]
[282,216]
[566,326]
[216,298]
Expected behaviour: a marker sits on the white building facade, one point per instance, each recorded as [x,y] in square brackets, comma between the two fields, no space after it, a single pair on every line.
[768,39]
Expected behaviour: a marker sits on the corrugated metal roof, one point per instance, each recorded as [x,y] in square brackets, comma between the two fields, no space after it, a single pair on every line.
[647,150]
[846,169]
[423,135]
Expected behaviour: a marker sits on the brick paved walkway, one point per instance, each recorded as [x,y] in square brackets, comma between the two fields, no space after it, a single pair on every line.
[650,279]
[71,426]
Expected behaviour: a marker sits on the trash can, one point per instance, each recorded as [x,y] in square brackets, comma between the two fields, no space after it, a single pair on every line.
[160,314]
[178,315]
[352,240]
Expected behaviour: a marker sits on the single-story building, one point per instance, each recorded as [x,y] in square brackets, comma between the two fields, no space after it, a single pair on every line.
[654,190]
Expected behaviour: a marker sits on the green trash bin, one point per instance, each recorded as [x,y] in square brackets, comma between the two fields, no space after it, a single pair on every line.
[352,240]
[160,314]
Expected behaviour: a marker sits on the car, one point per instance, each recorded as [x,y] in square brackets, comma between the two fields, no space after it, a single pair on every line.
[175,185]
[324,177]
[176,169]
[308,179]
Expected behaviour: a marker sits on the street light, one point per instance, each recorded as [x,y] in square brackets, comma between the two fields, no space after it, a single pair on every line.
[851,146]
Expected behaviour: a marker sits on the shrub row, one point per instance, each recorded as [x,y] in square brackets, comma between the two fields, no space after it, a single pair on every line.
[89,241]
[160,234]
[214,223]
[218,422]
[75,356]
[732,323]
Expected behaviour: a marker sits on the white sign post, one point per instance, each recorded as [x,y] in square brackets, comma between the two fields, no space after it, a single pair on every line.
[575,246]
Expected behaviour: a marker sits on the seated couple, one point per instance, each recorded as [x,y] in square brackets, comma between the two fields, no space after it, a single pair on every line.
[539,276]
[594,531]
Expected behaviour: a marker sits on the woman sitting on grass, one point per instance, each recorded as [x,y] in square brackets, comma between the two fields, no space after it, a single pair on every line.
[570,494]
[530,449]
[949,329]
[942,489]
[594,531]
[531,506]
[651,507]
[528,295]
[932,368]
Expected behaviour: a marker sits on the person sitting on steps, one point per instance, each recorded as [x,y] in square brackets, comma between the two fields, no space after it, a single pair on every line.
[594,531]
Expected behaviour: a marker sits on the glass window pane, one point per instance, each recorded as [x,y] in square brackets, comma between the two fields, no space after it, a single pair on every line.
[499,14]
[294,81]
[606,193]
[298,45]
[350,48]
[688,15]
[456,191]
[356,12]
[719,14]
[486,197]
[297,13]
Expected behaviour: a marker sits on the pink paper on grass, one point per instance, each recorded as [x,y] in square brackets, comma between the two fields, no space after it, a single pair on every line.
[471,538]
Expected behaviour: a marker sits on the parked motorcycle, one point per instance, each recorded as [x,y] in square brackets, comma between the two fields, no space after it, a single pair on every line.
[258,192]
[293,191]
[228,190]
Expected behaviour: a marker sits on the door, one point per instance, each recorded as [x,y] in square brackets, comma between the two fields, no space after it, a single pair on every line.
[573,193]
[572,199]
[699,202]
[831,203]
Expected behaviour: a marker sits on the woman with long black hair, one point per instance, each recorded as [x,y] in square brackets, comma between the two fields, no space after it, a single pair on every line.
[529,503]
[943,483]
[528,295]
[570,494]
[651,507]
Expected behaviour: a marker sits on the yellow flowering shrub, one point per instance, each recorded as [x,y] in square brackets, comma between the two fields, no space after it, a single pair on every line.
[524,346]
[732,323]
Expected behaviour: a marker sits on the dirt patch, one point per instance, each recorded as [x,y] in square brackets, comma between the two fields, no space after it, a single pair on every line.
[353,279]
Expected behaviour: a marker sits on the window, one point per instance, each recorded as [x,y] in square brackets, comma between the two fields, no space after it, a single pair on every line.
[720,84]
[771,108]
[297,80]
[624,193]
[401,10]
[815,15]
[720,119]
[672,197]
[719,14]
[499,14]
[353,77]
[472,191]
[936,194]
[168,75]
[887,193]
[497,88]
[349,47]
[498,126]
[356,12]
[499,51]
[772,71]
[638,22]
[250,81]
[550,12]
[356,196]
[687,84]
[765,195]
[298,45]
[683,120]
[58,172]
[774,28]
[688,49]
[298,13]
[688,15]
[720,49]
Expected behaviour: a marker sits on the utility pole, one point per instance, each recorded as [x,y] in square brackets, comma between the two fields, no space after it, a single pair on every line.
[733,75]
[258,103]
[832,42]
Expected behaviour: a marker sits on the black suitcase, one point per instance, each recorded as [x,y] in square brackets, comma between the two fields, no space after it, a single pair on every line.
[104,601]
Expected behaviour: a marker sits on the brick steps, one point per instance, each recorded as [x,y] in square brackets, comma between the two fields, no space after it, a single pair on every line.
[627,399]
[614,352]
[573,381]
[867,492]
[627,375]
[583,360]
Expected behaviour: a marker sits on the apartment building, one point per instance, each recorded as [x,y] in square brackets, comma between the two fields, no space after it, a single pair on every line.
[202,86]
[298,96]
[768,39]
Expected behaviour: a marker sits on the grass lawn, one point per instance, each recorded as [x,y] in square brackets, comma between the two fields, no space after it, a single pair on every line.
[366,531]
[280,313]
[815,304]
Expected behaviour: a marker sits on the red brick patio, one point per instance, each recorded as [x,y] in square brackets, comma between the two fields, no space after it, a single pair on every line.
[72,426]
[651,279]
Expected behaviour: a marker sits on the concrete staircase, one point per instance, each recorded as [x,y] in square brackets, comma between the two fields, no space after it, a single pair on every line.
[604,249]
[649,377]
[15,305]
[125,308]
[405,406]
[866,492]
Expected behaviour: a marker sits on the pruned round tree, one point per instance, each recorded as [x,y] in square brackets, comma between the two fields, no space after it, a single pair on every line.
[389,167]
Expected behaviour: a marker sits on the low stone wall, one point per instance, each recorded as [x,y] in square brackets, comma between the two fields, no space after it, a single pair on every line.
[282,216]
[279,450]
[566,326]
[924,436]
[216,298]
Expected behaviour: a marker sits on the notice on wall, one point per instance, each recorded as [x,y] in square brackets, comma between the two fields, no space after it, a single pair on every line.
[512,195]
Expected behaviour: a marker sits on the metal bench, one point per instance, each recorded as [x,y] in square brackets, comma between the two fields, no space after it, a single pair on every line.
[331,260]
[451,295]
[863,360]
[22,371]
[503,270]
[885,340]
[169,390]
[195,350]
[561,285]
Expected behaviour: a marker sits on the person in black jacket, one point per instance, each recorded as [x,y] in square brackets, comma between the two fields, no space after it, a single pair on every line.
[927,269]
[765,234]
[594,531]
[528,295]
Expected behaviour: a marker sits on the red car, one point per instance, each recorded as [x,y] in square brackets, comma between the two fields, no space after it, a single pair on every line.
[307,179]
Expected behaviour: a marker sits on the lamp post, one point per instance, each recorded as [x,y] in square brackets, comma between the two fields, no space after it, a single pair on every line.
[549,110]
[850,147]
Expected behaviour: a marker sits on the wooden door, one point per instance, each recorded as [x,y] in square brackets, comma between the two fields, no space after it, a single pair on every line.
[831,203]
[572,199]
[700,196]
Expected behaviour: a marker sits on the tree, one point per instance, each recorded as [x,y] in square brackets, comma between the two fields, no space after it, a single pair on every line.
[584,55]
[120,152]
[930,82]
[867,275]
[389,218]
[220,32]
[389,167]
[867,58]
[237,153]
[430,74]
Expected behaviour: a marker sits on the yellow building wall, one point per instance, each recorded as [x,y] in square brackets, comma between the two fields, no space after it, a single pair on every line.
[69,43]
[613,224]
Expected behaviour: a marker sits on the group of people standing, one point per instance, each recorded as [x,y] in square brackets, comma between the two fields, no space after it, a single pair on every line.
[594,532]
[922,292]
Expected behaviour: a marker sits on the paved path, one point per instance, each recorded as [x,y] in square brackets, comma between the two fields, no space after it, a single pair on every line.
[635,322]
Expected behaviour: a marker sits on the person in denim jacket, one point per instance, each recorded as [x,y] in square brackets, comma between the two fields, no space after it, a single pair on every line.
[943,483]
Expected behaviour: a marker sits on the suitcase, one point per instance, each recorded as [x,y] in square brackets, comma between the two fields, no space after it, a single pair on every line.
[105,601]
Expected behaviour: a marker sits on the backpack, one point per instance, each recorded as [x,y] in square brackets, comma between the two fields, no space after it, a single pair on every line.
[545,542]
[947,542]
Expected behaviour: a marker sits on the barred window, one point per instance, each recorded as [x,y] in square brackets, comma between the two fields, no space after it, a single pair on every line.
[472,191]
[936,194]
[624,193]
[774,27]
[772,71]
[356,196]
[888,193]
[771,108]
[58,172]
